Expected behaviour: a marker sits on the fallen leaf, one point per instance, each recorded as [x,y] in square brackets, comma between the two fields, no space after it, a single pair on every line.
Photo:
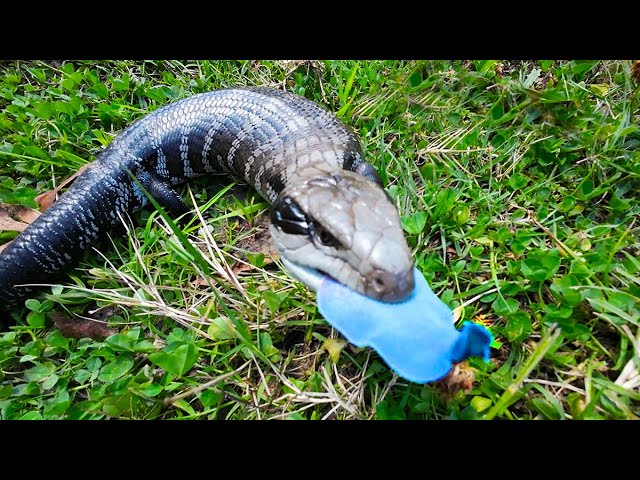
[82,327]
[46,199]
[7,223]
[221,328]
[460,377]
[334,346]
[16,217]
[200,282]
[24,214]
[635,70]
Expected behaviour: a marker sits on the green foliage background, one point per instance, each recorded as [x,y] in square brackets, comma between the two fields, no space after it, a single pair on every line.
[517,184]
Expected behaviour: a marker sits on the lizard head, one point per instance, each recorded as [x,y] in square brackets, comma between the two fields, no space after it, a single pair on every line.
[343,225]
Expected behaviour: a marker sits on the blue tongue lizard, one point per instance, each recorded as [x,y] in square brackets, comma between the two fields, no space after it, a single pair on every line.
[416,337]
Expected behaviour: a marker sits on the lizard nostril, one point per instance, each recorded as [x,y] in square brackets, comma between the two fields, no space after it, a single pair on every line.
[390,287]
[379,281]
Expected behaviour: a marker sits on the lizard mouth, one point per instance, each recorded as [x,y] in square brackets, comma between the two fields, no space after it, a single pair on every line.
[402,287]
[311,277]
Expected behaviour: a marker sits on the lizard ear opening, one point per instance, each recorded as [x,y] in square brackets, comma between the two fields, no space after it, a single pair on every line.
[287,215]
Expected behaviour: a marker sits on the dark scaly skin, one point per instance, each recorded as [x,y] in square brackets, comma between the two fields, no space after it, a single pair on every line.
[258,134]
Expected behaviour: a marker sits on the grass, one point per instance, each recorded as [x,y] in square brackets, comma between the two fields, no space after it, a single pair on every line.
[517,184]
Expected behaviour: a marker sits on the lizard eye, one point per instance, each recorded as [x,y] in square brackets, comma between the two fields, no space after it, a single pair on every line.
[289,217]
[323,236]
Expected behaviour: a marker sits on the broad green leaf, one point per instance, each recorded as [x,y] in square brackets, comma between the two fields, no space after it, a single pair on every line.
[545,408]
[549,406]
[505,306]
[100,90]
[559,311]
[50,381]
[567,203]
[221,328]
[120,342]
[39,372]
[209,397]
[531,78]
[152,390]
[182,404]
[461,215]
[93,364]
[390,410]
[484,241]
[518,326]
[121,84]
[518,181]
[5,391]
[480,404]
[144,346]
[257,260]
[414,223]
[272,299]
[445,201]
[82,375]
[485,65]
[599,89]
[496,111]
[176,359]
[36,319]
[115,369]
[58,405]
[33,415]
[428,171]
[266,345]
[580,67]
[619,204]
[555,95]
[56,339]
[38,73]
[32,304]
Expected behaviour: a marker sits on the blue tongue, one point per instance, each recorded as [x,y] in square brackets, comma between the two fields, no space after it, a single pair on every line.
[415,337]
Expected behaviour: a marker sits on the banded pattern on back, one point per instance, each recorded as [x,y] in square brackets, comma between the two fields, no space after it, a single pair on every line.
[261,135]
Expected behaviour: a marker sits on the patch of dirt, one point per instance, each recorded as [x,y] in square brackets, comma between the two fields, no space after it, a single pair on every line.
[609,338]
[5,320]
[259,239]
[255,239]
[293,338]
[305,361]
